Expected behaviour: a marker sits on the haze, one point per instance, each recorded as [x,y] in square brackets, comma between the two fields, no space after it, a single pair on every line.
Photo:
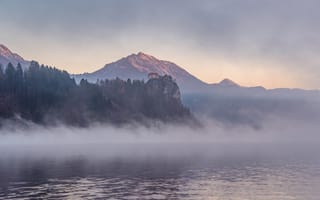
[169,141]
[266,42]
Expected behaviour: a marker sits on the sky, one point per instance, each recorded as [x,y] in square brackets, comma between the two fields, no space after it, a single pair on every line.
[273,43]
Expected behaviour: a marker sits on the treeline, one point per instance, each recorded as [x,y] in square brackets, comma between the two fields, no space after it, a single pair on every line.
[46,95]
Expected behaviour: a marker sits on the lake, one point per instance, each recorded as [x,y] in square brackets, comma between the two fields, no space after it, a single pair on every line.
[254,172]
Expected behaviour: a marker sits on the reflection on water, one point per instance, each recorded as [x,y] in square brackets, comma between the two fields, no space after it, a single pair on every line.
[258,178]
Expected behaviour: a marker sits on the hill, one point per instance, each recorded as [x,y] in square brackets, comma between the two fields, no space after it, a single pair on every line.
[46,95]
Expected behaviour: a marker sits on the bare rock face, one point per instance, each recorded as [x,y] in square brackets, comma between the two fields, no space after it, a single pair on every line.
[163,98]
[164,86]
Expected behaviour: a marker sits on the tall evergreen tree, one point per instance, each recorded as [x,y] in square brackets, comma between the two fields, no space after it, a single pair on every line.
[1,79]
[1,72]
[9,72]
[9,78]
[19,72]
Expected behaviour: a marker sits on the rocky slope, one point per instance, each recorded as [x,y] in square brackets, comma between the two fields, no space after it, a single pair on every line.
[6,56]
[138,66]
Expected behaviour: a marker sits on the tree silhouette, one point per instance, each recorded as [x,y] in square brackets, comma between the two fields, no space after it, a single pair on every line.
[45,95]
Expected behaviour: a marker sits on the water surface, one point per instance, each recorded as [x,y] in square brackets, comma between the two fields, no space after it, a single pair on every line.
[246,175]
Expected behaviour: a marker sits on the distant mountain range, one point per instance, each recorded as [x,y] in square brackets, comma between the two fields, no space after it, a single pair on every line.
[138,66]
[226,101]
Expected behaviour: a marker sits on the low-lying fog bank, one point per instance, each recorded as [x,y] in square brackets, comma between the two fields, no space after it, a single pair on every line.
[164,140]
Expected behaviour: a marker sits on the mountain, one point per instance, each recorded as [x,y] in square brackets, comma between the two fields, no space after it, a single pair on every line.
[6,56]
[226,102]
[138,66]
[227,83]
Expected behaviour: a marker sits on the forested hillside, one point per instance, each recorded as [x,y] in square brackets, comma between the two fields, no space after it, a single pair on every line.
[46,95]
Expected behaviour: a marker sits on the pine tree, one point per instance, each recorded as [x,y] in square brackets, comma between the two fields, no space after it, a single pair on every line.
[1,79]
[9,72]
[19,80]
[1,72]
[19,72]
[9,83]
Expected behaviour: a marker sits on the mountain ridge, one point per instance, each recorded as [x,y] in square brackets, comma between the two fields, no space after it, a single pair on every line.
[138,66]
[7,56]
[134,66]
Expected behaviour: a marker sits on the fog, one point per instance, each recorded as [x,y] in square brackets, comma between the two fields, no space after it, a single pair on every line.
[258,108]
[104,161]
[135,142]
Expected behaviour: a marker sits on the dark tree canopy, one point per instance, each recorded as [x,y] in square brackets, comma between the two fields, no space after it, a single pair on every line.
[47,95]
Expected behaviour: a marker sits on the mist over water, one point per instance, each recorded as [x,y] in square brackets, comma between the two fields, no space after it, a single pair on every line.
[215,161]
[165,140]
